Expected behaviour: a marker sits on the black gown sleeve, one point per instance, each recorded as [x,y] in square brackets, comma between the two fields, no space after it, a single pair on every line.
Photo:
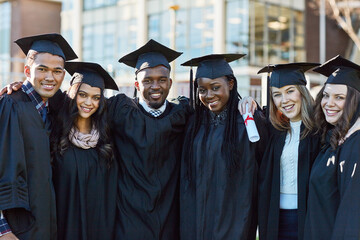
[261,125]
[13,175]
[347,223]
[56,102]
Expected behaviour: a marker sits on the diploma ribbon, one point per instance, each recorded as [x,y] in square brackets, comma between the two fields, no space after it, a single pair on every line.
[248,118]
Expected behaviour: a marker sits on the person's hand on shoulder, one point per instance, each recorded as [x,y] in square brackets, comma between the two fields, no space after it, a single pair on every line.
[8,236]
[8,89]
[251,103]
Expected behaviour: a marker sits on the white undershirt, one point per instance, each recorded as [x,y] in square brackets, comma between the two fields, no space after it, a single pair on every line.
[289,168]
[148,109]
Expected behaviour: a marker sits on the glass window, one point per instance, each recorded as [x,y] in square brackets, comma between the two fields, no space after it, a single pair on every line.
[154,26]
[276,33]
[126,42]
[93,4]
[67,5]
[258,38]
[5,19]
[194,40]
[237,27]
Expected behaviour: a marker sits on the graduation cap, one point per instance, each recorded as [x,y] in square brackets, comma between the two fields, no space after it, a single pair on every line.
[150,55]
[288,74]
[341,71]
[283,75]
[93,74]
[211,66]
[52,43]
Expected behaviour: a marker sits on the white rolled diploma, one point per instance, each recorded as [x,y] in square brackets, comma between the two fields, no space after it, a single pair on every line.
[250,125]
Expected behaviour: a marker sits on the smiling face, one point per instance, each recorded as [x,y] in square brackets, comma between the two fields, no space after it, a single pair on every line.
[333,102]
[287,100]
[87,100]
[46,74]
[154,85]
[215,93]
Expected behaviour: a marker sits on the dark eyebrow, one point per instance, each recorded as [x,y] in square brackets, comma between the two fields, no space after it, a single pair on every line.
[213,83]
[338,94]
[82,91]
[290,88]
[44,66]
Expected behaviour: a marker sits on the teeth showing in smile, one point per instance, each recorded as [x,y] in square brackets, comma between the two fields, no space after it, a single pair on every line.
[87,110]
[48,86]
[155,95]
[213,103]
[331,112]
[287,108]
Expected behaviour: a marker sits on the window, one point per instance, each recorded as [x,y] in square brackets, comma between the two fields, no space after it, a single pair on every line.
[67,5]
[237,27]
[93,4]
[268,33]
[5,19]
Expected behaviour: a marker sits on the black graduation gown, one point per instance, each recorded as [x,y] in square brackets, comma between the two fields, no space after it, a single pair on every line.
[148,151]
[215,204]
[347,223]
[269,182]
[86,192]
[323,199]
[26,189]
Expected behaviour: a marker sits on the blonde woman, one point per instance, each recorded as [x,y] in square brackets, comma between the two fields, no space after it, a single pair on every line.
[286,164]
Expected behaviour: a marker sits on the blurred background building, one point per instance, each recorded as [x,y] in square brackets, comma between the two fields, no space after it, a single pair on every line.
[268,31]
[20,18]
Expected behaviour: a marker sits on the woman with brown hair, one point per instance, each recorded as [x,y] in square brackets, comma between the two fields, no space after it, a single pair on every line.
[334,200]
[286,164]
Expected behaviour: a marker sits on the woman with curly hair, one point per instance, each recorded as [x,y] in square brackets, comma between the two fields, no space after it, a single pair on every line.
[219,163]
[334,199]
[84,172]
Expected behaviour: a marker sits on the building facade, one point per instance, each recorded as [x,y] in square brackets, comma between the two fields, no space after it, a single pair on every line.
[271,31]
[102,31]
[20,18]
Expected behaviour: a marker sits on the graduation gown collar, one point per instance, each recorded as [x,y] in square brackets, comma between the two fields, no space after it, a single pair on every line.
[148,109]
[216,119]
[165,113]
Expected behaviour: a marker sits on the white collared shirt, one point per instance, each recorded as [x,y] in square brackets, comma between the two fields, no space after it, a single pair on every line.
[148,109]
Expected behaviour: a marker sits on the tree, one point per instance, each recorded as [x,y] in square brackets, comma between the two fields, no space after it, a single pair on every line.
[347,15]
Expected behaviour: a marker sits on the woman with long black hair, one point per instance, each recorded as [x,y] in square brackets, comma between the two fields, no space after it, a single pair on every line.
[219,163]
[334,198]
[84,172]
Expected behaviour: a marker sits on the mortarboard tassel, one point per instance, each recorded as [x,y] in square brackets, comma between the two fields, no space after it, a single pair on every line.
[191,88]
[268,94]
[135,92]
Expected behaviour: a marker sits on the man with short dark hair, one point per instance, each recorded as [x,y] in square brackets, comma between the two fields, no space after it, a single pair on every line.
[148,135]
[26,192]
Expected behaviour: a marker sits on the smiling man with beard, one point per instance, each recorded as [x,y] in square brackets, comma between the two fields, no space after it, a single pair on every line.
[148,136]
